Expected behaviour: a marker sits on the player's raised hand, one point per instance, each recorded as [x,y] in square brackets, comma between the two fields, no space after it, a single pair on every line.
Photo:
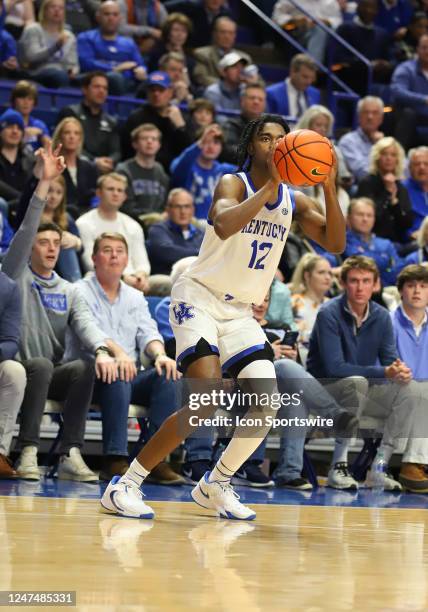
[272,168]
[49,164]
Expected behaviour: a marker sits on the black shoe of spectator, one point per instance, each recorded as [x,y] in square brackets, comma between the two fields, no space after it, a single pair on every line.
[192,471]
[298,484]
[250,475]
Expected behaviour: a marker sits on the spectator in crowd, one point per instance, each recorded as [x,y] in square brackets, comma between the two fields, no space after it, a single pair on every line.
[100,130]
[6,233]
[417,186]
[12,373]
[135,335]
[80,174]
[16,161]
[18,15]
[410,323]
[175,238]
[106,218]
[148,182]
[207,70]
[54,211]
[357,144]
[311,282]
[253,104]
[105,49]
[198,170]
[8,55]
[226,93]
[51,307]
[202,113]
[167,117]
[174,64]
[410,320]
[306,31]
[294,95]
[80,15]
[353,340]
[405,49]
[420,256]
[46,50]
[394,16]
[175,32]
[360,240]
[394,215]
[371,40]
[409,87]
[23,98]
[319,119]
[202,13]
[142,20]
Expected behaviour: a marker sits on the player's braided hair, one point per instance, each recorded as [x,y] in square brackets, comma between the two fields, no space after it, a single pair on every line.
[254,127]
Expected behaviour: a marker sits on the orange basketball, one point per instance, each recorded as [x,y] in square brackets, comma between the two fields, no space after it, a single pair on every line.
[303,157]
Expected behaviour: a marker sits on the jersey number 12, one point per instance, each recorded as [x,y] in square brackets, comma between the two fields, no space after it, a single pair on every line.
[257,262]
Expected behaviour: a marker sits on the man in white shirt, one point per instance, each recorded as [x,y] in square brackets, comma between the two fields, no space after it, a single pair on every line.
[111,189]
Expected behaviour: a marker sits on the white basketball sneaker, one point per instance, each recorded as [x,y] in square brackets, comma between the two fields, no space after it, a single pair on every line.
[72,467]
[221,498]
[125,500]
[26,466]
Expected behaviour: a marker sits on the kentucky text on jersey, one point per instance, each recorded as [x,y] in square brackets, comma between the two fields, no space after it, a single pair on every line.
[265,228]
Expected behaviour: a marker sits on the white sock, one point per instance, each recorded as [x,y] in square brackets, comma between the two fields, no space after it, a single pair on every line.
[135,474]
[340,454]
[220,472]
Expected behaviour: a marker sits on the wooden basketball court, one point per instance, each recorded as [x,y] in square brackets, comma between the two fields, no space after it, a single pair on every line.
[293,557]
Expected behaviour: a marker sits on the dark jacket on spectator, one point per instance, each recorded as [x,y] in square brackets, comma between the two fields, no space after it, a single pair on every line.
[10,317]
[203,21]
[101,132]
[174,140]
[166,244]
[79,196]
[392,221]
[14,176]
[337,349]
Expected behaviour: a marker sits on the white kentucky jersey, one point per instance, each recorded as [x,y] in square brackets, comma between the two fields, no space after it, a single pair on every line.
[242,267]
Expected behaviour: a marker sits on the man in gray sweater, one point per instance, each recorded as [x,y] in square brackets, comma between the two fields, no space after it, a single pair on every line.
[51,306]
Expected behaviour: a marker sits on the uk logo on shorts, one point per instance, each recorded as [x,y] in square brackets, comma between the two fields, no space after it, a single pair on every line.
[183,312]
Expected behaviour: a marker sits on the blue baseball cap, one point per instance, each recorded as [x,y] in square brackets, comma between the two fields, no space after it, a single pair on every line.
[159,79]
[11,117]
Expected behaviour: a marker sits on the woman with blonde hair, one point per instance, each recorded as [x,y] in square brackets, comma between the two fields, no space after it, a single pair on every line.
[383,185]
[311,281]
[319,119]
[420,256]
[46,50]
[80,174]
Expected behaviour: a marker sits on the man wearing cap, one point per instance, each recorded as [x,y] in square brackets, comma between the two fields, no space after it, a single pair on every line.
[104,49]
[206,71]
[177,133]
[16,163]
[226,93]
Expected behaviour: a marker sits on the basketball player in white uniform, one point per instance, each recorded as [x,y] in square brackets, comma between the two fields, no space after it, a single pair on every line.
[210,311]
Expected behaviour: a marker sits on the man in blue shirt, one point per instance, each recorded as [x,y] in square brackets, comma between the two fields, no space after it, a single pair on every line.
[417,185]
[356,145]
[353,337]
[409,87]
[12,373]
[198,170]
[175,238]
[360,240]
[122,313]
[104,49]
[296,94]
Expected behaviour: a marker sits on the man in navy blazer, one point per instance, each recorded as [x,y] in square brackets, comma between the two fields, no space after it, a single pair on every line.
[294,95]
